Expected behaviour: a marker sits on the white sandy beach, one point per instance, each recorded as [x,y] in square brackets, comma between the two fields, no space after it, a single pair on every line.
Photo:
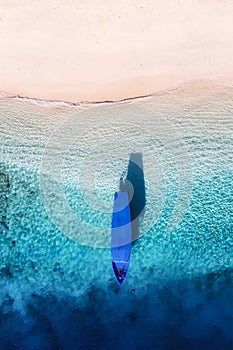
[105,50]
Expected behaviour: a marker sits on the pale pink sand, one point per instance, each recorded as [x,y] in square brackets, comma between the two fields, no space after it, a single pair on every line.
[110,50]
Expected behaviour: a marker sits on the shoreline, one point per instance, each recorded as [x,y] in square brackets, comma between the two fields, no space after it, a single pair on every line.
[190,84]
[193,84]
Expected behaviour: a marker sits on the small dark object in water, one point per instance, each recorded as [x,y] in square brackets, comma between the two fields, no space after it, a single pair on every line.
[133,291]
[13,243]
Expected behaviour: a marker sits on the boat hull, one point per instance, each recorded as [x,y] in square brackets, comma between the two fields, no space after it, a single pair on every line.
[121,235]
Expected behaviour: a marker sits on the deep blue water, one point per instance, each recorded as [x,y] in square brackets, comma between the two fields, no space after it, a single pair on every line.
[58,290]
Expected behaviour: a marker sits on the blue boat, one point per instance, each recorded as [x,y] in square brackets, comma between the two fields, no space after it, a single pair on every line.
[121,237]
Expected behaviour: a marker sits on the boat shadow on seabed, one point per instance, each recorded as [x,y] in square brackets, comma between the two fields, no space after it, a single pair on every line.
[134,184]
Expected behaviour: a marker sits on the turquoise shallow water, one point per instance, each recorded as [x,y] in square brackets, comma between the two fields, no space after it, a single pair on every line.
[60,166]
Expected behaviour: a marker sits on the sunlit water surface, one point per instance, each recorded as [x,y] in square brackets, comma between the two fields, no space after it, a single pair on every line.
[60,166]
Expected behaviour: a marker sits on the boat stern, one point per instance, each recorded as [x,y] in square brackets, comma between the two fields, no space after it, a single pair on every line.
[120,269]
